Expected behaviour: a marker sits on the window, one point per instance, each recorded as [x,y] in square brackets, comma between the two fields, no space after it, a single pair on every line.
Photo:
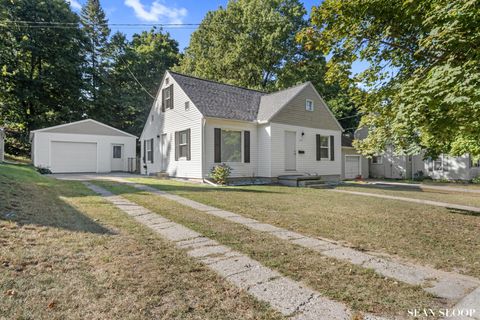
[187,105]
[117,152]
[183,144]
[309,105]
[167,80]
[437,164]
[377,160]
[167,98]
[324,147]
[149,150]
[231,146]
[152,117]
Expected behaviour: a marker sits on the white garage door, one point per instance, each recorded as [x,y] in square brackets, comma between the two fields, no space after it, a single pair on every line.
[352,167]
[73,157]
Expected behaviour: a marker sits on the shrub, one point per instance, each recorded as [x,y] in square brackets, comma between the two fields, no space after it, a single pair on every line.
[43,170]
[220,173]
[476,180]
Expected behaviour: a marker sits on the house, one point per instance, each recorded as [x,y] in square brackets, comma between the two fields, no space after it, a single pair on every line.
[393,166]
[83,146]
[354,165]
[2,144]
[195,124]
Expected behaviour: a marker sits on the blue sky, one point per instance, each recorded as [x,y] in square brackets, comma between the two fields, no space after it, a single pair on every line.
[161,11]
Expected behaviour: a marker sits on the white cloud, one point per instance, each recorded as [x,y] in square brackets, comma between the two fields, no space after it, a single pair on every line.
[156,12]
[75,4]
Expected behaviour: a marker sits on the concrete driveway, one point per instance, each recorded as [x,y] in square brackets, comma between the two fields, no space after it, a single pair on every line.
[94,176]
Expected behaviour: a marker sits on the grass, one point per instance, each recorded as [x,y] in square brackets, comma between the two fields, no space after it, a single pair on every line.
[361,289]
[462,198]
[66,253]
[19,159]
[443,238]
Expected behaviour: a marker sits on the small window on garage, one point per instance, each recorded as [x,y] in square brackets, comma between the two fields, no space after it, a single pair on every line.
[117,152]
[377,160]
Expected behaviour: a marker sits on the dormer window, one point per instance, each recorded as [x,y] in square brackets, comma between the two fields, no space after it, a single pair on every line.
[167,80]
[309,105]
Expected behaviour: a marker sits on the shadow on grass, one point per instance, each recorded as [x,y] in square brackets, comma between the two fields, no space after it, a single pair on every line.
[383,187]
[41,203]
[464,212]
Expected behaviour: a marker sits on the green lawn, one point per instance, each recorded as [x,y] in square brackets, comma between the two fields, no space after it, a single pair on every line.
[361,289]
[443,238]
[463,198]
[68,254]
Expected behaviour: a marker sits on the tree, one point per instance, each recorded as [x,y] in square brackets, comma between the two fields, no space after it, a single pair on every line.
[247,43]
[422,83]
[95,26]
[40,68]
[137,69]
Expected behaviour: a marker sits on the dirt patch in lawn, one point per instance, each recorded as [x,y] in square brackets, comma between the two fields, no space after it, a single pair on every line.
[65,253]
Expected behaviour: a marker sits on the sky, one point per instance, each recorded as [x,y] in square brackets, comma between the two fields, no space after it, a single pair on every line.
[171,12]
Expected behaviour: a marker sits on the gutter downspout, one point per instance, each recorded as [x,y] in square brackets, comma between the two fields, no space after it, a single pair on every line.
[204,121]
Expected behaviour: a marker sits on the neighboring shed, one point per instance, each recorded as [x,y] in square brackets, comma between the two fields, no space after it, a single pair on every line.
[2,144]
[83,146]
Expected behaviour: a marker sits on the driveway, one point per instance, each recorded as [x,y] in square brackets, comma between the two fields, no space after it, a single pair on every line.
[93,176]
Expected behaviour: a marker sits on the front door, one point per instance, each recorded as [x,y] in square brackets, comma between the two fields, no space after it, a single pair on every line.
[290,150]
[164,148]
[117,157]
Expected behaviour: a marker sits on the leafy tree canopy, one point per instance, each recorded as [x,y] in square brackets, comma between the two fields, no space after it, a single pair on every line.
[423,81]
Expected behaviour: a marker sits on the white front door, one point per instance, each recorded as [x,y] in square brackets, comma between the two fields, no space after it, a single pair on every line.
[290,150]
[352,167]
[164,152]
[118,159]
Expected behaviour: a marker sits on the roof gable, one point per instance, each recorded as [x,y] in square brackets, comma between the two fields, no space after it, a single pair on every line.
[271,104]
[220,100]
[87,126]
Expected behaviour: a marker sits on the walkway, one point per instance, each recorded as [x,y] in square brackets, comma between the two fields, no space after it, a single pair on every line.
[424,186]
[428,202]
[447,285]
[289,297]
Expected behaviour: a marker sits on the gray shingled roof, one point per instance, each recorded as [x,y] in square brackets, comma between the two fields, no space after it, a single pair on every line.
[271,103]
[220,100]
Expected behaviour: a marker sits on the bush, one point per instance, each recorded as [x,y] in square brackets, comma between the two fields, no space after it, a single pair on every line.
[476,180]
[220,173]
[44,170]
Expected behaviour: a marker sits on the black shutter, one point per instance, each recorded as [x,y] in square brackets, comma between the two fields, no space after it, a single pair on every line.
[177,144]
[332,148]
[171,96]
[246,146]
[144,151]
[318,148]
[188,145]
[163,100]
[217,142]
[151,148]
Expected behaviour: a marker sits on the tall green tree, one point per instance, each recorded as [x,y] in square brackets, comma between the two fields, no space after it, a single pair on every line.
[137,69]
[424,76]
[247,43]
[40,68]
[95,26]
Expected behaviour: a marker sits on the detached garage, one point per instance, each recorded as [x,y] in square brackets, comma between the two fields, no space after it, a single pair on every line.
[83,146]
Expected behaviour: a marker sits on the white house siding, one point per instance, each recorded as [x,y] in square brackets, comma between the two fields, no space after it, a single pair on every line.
[393,166]
[306,163]
[364,162]
[456,168]
[42,142]
[240,169]
[264,150]
[170,121]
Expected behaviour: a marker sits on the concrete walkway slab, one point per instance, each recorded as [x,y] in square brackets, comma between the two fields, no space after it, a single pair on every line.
[287,296]
[427,202]
[446,285]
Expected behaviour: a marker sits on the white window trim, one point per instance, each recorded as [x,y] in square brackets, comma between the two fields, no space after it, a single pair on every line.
[147,150]
[241,145]
[182,144]
[323,147]
[306,105]
[378,162]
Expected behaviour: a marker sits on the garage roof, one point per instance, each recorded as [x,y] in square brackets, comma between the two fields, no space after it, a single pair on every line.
[87,126]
